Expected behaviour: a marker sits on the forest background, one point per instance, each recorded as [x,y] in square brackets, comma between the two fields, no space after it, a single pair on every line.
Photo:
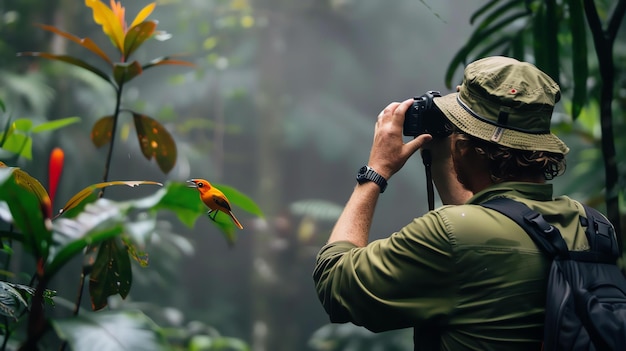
[280,105]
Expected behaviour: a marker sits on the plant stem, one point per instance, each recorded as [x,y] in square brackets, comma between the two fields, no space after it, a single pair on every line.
[116,115]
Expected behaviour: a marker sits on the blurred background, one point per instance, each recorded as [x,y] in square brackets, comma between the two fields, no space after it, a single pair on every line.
[281,105]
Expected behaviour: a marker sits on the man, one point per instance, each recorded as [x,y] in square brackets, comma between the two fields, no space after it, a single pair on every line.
[466,277]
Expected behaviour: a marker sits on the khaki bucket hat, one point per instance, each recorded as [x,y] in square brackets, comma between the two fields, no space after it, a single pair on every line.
[507,102]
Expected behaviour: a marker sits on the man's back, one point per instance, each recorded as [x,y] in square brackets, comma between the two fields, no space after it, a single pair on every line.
[468,271]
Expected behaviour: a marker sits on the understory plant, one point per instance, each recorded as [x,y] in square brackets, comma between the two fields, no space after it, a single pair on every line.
[108,235]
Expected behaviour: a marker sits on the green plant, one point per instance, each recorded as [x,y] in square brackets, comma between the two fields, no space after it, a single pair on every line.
[108,234]
[555,34]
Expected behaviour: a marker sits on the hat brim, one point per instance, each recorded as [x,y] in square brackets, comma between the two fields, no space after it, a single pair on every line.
[475,127]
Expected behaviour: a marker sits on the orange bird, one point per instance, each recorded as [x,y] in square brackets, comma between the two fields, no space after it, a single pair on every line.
[214,199]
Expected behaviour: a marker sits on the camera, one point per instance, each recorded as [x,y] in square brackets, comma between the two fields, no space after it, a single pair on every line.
[424,117]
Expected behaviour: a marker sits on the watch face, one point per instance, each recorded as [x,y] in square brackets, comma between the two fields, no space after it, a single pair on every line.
[363,170]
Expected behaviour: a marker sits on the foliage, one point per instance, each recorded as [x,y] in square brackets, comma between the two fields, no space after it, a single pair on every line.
[108,234]
[154,140]
[553,34]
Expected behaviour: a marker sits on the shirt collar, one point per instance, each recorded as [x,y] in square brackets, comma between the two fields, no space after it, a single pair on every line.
[534,191]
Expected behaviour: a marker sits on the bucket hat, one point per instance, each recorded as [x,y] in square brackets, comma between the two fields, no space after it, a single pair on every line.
[507,102]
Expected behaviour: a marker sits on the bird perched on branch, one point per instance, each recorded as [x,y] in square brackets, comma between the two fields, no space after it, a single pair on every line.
[214,199]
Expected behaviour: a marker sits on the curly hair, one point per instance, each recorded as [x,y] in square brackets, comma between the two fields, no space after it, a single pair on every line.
[506,164]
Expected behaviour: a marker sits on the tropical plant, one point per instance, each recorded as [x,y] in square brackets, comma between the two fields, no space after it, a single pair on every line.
[107,234]
[553,34]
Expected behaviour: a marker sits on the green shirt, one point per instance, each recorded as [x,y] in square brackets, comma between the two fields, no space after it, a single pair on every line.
[470,271]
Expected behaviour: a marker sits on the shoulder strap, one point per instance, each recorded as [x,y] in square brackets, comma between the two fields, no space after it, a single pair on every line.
[545,235]
[600,234]
[599,231]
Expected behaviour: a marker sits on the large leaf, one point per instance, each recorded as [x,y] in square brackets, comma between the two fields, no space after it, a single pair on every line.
[87,195]
[579,55]
[155,141]
[11,301]
[111,331]
[178,198]
[102,131]
[111,273]
[125,72]
[137,35]
[84,42]
[240,200]
[72,61]
[99,222]
[17,136]
[493,24]
[17,143]
[30,208]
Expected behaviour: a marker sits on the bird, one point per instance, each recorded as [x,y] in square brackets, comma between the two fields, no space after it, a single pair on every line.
[214,199]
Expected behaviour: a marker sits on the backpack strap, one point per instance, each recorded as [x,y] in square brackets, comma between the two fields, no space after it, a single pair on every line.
[545,235]
[600,235]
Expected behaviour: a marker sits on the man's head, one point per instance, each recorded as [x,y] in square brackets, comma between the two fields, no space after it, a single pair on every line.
[506,102]
[502,112]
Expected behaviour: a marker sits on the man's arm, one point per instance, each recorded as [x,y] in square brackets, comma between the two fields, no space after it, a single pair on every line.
[388,155]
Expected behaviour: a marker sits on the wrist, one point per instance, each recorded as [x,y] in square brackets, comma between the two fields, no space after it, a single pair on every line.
[369,174]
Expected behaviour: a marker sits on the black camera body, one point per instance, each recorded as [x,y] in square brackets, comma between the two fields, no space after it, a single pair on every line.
[424,117]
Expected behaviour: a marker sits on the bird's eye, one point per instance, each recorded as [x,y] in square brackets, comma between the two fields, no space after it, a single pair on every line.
[200,185]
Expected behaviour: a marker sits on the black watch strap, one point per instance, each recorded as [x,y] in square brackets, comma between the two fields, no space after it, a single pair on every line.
[368,174]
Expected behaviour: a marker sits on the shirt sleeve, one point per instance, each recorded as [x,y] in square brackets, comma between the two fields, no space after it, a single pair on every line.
[406,280]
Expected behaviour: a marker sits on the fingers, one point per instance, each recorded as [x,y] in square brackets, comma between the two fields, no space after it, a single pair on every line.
[395,110]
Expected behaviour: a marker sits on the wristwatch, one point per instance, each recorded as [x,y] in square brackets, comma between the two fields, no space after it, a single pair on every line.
[368,174]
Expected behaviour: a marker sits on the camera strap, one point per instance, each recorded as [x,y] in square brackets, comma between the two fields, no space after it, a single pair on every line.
[427,337]
[427,160]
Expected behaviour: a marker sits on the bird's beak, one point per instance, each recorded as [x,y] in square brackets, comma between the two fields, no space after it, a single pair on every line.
[192,183]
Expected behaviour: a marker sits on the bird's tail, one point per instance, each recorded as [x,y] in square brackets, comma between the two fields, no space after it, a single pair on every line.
[230,213]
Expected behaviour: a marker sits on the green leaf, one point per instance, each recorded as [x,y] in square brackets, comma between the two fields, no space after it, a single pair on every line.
[551,40]
[11,300]
[28,292]
[240,200]
[72,61]
[206,342]
[478,38]
[178,198]
[125,72]
[155,141]
[98,222]
[318,209]
[30,208]
[111,331]
[579,56]
[23,125]
[111,273]
[56,124]
[137,35]
[102,131]
[18,143]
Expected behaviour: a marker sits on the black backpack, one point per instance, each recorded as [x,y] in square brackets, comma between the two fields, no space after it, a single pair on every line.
[586,295]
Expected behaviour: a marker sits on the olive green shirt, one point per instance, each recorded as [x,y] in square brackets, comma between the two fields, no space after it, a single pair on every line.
[470,271]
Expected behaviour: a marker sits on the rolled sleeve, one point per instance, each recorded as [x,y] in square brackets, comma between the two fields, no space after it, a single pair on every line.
[402,281]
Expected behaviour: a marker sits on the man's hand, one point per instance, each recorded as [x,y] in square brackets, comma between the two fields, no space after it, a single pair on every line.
[389,153]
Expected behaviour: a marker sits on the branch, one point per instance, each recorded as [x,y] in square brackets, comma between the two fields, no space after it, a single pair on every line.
[615,20]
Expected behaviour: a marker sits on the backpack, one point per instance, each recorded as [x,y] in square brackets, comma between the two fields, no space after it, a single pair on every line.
[586,293]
